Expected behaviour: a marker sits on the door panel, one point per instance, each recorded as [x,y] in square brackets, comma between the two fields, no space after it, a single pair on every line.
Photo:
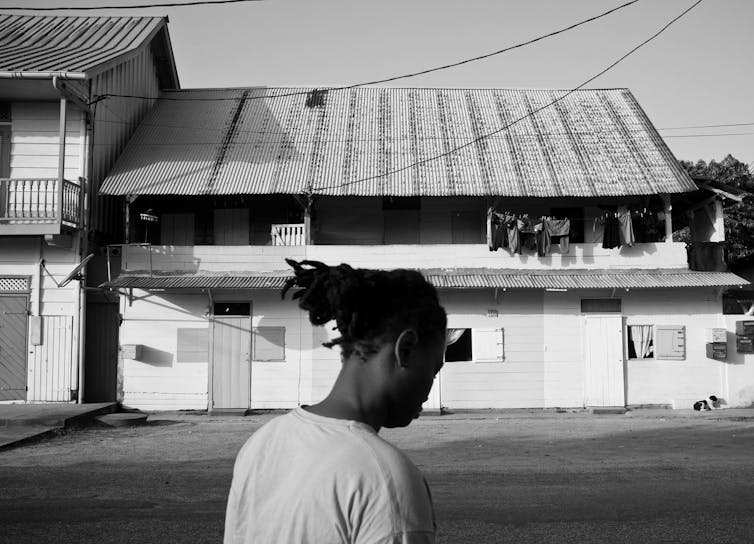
[101,356]
[231,362]
[13,329]
[603,349]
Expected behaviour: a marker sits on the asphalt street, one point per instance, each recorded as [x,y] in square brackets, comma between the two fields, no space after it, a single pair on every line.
[524,477]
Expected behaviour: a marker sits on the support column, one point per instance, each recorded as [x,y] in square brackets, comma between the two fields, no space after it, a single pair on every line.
[719,223]
[668,210]
[61,156]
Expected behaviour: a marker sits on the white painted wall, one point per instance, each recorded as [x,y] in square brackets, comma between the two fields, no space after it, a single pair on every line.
[229,259]
[543,367]
[680,383]
[35,140]
[52,367]
[158,381]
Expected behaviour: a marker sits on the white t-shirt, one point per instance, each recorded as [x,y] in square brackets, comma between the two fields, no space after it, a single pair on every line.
[304,478]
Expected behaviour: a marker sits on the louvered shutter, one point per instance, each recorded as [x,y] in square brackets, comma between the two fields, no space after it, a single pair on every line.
[670,342]
[488,345]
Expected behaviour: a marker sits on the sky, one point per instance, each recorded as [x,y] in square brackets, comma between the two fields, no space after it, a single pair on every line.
[699,72]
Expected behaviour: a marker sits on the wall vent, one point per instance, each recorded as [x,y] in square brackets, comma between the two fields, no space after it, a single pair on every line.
[14,285]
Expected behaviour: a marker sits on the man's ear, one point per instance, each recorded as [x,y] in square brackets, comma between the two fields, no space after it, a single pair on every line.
[406,343]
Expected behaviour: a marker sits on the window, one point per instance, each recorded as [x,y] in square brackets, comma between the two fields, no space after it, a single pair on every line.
[401,219]
[600,305]
[459,345]
[576,215]
[640,342]
[477,345]
[658,342]
[193,345]
[738,302]
[5,144]
[466,228]
[232,308]
[268,343]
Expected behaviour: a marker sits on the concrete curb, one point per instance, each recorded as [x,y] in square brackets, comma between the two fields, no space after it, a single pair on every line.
[23,429]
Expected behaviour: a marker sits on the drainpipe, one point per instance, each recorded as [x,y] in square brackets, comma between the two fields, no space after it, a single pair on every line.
[42,75]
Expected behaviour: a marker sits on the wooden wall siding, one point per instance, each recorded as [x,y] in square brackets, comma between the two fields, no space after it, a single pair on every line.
[159,381]
[194,259]
[563,350]
[517,382]
[231,227]
[156,380]
[35,141]
[680,383]
[739,370]
[53,365]
[115,121]
[177,229]
[18,256]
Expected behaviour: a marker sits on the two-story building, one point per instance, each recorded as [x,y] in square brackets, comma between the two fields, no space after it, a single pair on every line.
[57,143]
[544,218]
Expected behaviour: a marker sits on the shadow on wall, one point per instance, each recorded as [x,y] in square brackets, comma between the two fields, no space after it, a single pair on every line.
[156,357]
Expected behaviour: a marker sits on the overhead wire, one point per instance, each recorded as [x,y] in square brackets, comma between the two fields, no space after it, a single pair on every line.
[708,126]
[393,78]
[130,6]
[509,125]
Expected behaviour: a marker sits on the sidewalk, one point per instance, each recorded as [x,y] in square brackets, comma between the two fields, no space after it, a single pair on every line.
[20,423]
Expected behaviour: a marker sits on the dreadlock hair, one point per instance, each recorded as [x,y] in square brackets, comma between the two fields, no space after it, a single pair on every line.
[367,305]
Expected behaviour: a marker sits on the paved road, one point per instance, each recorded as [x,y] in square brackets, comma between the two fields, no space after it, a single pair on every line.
[521,477]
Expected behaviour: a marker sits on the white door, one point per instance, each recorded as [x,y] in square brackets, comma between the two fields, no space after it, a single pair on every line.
[603,350]
[231,359]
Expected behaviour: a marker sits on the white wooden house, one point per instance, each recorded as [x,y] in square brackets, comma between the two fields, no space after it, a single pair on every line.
[226,183]
[57,143]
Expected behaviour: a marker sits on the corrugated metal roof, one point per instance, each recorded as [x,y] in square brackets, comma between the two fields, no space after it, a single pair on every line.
[30,43]
[466,279]
[397,141]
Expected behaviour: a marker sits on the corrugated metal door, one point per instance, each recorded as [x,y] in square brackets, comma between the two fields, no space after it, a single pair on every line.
[603,339]
[13,329]
[231,362]
[101,363]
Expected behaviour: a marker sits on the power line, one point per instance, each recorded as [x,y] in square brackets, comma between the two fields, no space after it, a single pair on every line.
[530,114]
[394,78]
[137,6]
[708,135]
[708,126]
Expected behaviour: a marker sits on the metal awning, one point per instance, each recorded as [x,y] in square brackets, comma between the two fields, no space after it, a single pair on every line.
[461,279]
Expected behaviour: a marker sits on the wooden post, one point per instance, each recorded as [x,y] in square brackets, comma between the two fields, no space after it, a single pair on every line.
[61,157]
[719,235]
[308,223]
[668,209]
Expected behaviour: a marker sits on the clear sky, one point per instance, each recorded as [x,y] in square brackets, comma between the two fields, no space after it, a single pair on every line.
[699,72]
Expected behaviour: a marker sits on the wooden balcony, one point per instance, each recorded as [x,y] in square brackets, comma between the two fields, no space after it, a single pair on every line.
[39,206]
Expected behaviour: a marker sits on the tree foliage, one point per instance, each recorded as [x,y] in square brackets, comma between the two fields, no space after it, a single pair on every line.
[739,217]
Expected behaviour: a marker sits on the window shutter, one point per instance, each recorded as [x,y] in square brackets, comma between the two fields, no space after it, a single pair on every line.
[488,345]
[670,342]
[269,344]
[193,345]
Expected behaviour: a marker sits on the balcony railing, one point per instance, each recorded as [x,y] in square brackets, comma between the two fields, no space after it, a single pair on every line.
[38,206]
[287,234]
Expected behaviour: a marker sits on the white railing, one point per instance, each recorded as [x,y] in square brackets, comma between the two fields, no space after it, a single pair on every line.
[39,201]
[287,234]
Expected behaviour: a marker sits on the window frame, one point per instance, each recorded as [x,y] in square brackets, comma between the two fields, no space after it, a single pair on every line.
[477,354]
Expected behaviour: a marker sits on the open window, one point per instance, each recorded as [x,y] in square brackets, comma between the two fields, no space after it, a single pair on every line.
[656,342]
[474,345]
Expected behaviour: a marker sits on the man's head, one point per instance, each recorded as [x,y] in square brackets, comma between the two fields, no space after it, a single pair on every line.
[391,326]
